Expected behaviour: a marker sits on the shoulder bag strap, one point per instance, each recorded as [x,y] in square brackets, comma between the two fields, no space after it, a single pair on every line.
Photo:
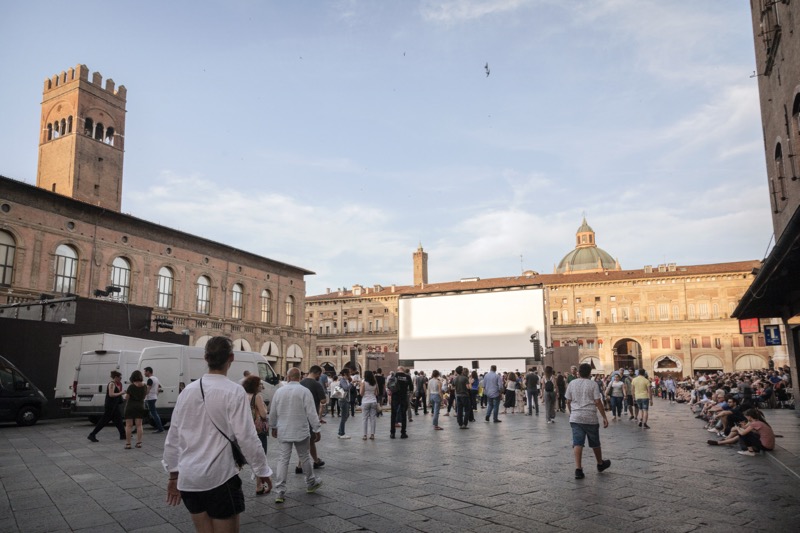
[203,395]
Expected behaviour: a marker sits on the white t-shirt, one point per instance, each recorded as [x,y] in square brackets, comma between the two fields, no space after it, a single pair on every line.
[153,383]
[582,394]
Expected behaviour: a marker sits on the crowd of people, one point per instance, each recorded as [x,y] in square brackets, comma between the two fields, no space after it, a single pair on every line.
[732,406]
[214,413]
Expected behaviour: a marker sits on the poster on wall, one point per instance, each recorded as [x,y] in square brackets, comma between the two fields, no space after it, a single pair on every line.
[749,325]
[772,335]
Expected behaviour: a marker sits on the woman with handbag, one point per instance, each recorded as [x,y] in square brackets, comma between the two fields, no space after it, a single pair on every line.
[343,387]
[253,387]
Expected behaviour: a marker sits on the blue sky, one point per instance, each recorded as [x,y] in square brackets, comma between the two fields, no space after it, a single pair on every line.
[338,135]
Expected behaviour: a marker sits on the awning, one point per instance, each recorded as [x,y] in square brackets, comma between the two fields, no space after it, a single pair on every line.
[776,290]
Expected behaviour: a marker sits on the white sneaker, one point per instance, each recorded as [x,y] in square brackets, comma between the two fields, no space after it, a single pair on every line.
[344,436]
[712,430]
[747,453]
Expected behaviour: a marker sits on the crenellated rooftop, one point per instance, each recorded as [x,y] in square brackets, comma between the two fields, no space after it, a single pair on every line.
[81,73]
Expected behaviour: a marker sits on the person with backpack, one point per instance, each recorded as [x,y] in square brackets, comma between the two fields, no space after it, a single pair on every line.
[549,395]
[532,390]
[401,386]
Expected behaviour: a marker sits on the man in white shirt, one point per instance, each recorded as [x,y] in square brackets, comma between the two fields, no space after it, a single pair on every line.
[584,401]
[292,411]
[153,388]
[209,414]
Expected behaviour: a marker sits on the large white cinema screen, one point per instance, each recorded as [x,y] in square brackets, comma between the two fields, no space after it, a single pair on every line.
[471,326]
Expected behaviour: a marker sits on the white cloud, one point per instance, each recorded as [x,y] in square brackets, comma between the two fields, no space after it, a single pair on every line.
[455,11]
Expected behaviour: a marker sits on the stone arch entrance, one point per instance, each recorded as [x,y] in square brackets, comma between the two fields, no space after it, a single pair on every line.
[750,362]
[627,354]
[668,366]
[707,363]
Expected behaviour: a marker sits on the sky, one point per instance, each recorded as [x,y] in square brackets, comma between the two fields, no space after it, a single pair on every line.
[339,135]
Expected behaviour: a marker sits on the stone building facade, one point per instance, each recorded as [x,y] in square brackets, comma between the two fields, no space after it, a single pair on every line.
[775,292]
[666,319]
[66,239]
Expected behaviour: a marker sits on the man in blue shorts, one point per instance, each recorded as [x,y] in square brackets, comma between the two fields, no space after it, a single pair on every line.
[584,401]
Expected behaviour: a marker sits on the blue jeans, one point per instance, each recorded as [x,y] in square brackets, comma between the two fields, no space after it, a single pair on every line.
[463,409]
[616,406]
[151,405]
[436,402]
[345,405]
[494,405]
[533,401]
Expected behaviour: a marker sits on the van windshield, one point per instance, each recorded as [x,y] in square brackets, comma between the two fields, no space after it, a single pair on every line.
[265,372]
[11,380]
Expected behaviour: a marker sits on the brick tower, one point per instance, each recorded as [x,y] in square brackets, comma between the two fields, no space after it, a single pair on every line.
[82,138]
[420,267]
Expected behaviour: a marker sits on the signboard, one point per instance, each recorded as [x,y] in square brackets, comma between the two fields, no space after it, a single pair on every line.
[772,335]
[749,325]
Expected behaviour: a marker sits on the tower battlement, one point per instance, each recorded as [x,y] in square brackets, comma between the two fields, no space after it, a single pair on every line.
[81,73]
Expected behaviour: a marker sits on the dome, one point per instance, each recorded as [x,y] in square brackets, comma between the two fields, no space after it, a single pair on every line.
[589,258]
[586,257]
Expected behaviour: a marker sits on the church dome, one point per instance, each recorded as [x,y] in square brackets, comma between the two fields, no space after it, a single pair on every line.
[587,256]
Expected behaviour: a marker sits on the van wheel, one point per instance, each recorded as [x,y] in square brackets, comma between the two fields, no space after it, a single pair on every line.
[27,416]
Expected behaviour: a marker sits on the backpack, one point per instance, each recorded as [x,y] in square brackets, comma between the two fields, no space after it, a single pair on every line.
[391,383]
[548,386]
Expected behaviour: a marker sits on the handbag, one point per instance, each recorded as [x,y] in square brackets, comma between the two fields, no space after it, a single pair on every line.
[338,393]
[238,456]
[260,422]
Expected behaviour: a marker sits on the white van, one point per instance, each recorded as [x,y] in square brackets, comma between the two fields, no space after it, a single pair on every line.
[93,374]
[177,366]
[72,347]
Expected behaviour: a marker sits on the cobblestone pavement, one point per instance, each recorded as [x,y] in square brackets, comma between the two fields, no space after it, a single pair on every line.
[513,476]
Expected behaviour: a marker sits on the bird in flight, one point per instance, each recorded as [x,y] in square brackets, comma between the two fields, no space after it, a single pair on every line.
[486,66]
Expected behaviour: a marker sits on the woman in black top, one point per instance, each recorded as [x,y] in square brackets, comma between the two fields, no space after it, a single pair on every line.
[111,408]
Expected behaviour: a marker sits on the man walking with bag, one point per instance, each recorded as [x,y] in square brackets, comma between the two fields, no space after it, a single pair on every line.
[212,416]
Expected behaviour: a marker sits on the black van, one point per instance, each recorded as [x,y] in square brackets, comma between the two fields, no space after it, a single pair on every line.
[20,400]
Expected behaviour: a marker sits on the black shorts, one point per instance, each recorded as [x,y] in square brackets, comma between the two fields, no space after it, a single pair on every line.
[220,503]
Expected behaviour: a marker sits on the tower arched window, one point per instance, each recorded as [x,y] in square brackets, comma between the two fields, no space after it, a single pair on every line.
[203,295]
[8,247]
[164,289]
[88,127]
[66,269]
[237,301]
[121,277]
[98,131]
[266,306]
[63,128]
[779,178]
[49,132]
[289,304]
[69,124]
[109,136]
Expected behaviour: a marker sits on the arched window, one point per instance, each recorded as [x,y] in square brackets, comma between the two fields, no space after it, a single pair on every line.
[164,290]
[98,131]
[266,306]
[63,128]
[290,311]
[66,269]
[109,136]
[779,179]
[237,301]
[121,277]
[203,295]
[69,124]
[88,127]
[49,132]
[7,249]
